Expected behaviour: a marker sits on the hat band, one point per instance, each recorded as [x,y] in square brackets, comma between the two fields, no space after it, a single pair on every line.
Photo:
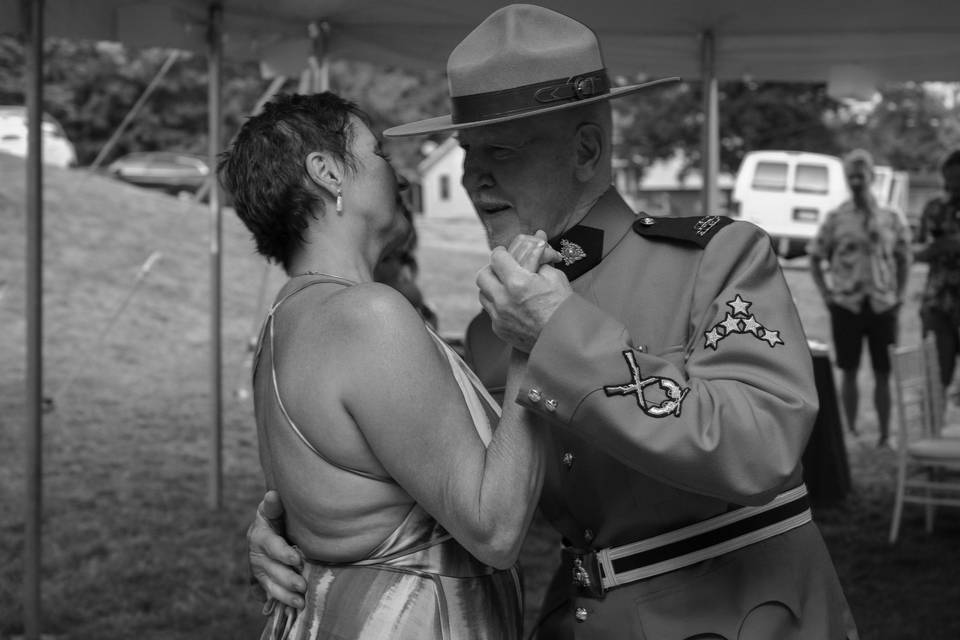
[495,104]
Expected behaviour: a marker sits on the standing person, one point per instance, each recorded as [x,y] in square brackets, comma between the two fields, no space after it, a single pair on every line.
[866,248]
[666,360]
[420,521]
[939,235]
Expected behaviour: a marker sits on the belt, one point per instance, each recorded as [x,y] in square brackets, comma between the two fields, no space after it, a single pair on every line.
[596,571]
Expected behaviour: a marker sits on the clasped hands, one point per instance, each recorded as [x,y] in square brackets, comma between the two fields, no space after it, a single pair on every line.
[520,291]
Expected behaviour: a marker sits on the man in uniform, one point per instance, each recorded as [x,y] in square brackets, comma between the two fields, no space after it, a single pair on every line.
[666,357]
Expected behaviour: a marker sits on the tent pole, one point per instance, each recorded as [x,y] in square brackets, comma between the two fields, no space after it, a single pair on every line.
[710,136]
[32,11]
[134,110]
[318,63]
[215,57]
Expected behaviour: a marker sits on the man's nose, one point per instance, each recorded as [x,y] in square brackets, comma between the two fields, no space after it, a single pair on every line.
[476,174]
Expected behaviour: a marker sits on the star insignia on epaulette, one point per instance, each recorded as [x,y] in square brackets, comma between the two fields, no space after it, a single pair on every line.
[570,252]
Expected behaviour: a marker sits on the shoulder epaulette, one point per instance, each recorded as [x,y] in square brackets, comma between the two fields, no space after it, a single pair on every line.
[696,229]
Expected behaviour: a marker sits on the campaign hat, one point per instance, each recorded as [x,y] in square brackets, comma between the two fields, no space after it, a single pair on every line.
[523,60]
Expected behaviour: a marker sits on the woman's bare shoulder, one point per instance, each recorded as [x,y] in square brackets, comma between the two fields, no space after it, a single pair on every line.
[370,309]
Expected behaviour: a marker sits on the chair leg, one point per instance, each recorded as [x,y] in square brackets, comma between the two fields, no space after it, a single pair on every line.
[897,506]
[931,511]
[931,508]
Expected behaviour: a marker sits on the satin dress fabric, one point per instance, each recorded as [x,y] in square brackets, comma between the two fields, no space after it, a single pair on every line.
[419,583]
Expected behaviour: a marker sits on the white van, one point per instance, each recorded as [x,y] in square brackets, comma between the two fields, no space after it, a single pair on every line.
[788,194]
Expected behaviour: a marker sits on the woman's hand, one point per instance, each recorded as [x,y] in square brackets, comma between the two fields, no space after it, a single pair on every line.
[532,252]
[520,290]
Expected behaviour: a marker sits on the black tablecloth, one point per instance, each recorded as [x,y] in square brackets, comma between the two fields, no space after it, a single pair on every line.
[825,467]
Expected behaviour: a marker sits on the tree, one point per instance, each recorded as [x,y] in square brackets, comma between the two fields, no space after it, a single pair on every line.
[90,87]
[909,127]
[771,115]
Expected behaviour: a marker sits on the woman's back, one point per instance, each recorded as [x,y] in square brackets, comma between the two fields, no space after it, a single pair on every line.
[378,564]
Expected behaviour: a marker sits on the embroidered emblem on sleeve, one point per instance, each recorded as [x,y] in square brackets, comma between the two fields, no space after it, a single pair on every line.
[673,392]
[740,321]
[570,252]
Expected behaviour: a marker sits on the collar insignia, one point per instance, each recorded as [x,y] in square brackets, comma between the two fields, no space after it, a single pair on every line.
[570,252]
[580,248]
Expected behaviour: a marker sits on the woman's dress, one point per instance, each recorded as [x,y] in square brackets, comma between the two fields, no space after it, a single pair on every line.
[419,583]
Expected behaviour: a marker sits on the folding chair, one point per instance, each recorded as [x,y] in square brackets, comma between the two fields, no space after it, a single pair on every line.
[928,464]
[938,398]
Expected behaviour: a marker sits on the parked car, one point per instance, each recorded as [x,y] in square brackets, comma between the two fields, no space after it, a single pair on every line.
[171,171]
[788,194]
[58,151]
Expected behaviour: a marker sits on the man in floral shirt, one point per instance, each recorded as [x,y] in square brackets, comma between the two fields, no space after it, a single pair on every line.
[940,235]
[867,251]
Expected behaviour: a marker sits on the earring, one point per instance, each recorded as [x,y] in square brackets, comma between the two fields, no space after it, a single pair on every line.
[339,200]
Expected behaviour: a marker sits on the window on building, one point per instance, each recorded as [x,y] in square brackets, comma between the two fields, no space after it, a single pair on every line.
[444,187]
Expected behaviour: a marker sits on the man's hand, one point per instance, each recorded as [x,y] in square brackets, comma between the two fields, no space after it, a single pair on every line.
[520,290]
[273,562]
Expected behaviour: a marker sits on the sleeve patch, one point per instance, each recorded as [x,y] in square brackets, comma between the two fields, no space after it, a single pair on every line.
[740,321]
[673,394]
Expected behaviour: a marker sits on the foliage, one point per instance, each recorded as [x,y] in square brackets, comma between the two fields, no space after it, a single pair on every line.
[909,128]
[771,115]
[90,88]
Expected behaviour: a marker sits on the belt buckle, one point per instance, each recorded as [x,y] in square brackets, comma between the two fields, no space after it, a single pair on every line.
[585,573]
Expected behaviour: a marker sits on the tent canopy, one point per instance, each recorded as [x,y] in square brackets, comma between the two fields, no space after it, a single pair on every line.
[817,40]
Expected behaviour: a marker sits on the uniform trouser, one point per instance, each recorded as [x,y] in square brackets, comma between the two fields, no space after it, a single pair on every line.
[947,337]
[784,588]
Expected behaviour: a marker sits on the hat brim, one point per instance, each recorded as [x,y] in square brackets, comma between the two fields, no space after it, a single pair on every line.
[445,123]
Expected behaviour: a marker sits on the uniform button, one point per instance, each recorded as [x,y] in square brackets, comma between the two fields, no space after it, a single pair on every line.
[550,405]
[534,394]
[588,535]
[581,614]
[641,348]
[568,459]
[647,221]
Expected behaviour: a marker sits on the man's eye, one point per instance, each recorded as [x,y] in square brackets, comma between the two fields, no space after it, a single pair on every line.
[502,152]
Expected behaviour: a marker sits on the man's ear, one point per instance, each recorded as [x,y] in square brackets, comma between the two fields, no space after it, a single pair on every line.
[323,171]
[589,150]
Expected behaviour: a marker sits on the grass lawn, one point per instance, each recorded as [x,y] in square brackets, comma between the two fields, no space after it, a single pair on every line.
[130,547]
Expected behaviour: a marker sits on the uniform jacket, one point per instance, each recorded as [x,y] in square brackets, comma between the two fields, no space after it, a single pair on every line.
[677,384]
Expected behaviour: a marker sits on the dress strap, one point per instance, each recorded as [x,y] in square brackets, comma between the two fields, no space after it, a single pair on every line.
[467,380]
[269,325]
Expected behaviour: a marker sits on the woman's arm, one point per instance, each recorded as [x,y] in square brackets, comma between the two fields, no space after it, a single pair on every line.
[396,384]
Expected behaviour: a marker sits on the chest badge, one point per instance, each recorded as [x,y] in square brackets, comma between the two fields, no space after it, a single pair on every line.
[740,321]
[673,393]
[570,252]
